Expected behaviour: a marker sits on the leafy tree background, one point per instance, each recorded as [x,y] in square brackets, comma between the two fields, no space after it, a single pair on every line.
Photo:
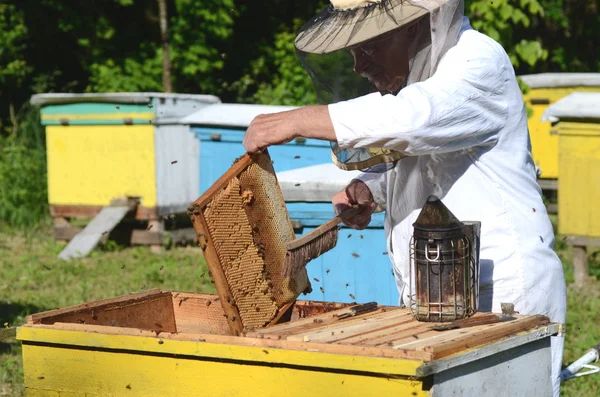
[239,50]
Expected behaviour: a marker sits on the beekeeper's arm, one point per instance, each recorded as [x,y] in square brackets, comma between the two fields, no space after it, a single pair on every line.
[461,106]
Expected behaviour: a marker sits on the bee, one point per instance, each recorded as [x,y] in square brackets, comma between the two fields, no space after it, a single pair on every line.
[297,184]
[352,296]
[322,290]
[361,236]
[118,107]
[150,106]
[162,267]
[174,162]
[385,252]
[317,280]
[347,285]
[327,271]
[208,303]
[160,342]
[296,157]
[265,351]
[350,235]
[149,227]
[354,254]
[533,209]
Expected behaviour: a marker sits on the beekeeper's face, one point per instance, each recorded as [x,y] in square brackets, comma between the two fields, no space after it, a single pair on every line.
[384,60]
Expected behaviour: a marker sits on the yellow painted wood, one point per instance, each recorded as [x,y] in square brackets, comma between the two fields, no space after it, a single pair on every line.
[220,351]
[91,165]
[186,368]
[544,144]
[579,193]
[99,116]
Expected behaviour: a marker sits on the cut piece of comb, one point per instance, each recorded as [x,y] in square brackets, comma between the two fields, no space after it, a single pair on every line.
[314,244]
[242,225]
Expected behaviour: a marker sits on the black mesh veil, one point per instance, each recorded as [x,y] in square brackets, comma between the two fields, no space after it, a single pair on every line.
[326,43]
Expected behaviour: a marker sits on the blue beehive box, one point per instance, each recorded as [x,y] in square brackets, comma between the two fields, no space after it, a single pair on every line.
[358,268]
[220,129]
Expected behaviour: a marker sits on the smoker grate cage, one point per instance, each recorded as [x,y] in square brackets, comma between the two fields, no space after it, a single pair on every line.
[443,278]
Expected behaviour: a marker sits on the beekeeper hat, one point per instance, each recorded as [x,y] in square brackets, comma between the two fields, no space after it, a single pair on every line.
[345,23]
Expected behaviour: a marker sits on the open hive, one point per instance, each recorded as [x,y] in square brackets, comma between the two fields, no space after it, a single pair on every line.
[243,226]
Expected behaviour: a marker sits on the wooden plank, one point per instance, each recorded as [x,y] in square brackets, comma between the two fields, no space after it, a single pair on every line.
[583,241]
[362,337]
[548,184]
[494,332]
[493,348]
[310,324]
[150,310]
[347,328]
[414,331]
[331,348]
[227,302]
[85,241]
[90,211]
[196,313]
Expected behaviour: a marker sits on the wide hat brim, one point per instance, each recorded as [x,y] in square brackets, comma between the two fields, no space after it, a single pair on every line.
[335,32]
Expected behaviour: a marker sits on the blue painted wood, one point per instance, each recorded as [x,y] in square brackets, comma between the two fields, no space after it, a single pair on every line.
[357,269]
[219,147]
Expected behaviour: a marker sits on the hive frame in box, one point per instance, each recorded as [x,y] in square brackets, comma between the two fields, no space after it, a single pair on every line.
[243,226]
[130,345]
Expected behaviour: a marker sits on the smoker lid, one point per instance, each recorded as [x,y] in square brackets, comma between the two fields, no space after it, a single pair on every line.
[435,216]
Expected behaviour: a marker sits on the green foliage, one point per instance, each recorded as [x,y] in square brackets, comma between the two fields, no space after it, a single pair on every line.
[499,18]
[23,186]
[13,35]
[289,85]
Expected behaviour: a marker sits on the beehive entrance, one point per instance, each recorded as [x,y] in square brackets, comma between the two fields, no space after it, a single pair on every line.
[243,226]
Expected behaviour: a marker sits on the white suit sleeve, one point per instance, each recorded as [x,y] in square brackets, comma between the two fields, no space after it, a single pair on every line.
[462,105]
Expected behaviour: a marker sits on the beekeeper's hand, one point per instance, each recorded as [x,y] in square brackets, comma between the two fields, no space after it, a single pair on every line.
[281,127]
[356,193]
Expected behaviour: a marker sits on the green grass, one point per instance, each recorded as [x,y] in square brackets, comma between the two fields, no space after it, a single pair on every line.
[33,279]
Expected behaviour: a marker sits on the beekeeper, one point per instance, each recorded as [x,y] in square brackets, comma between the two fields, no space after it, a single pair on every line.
[423,104]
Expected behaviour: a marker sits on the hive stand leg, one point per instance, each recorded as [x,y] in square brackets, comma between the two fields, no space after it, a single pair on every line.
[580,265]
[63,231]
[156,225]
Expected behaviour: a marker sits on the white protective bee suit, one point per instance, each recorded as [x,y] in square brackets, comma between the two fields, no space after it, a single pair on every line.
[464,131]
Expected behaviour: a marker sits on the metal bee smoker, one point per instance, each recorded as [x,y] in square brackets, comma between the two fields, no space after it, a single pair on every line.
[444,265]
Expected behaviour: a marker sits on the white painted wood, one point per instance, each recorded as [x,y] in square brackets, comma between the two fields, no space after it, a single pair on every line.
[178,184]
[86,240]
[555,80]
[116,97]
[231,114]
[317,183]
[579,105]
[523,371]
[488,350]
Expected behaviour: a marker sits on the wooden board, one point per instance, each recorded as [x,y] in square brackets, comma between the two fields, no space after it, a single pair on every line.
[90,211]
[396,329]
[148,310]
[85,241]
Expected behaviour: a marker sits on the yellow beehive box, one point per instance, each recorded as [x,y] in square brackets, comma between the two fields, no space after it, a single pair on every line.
[576,120]
[163,343]
[104,146]
[546,89]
